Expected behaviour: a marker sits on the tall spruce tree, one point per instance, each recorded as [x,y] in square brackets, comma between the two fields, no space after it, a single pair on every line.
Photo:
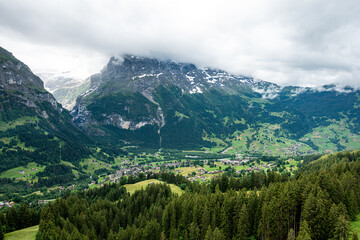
[304,233]
[243,226]
[342,229]
[291,235]
[355,236]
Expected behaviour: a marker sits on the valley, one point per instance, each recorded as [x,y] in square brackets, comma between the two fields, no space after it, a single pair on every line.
[164,131]
[142,116]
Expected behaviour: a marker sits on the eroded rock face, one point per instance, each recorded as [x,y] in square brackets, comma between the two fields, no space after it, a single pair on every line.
[125,94]
[18,82]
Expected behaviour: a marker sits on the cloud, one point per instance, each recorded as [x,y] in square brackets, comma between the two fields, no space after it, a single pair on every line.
[306,43]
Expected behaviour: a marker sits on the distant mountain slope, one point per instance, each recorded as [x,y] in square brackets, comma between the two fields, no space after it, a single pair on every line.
[64,87]
[154,103]
[34,127]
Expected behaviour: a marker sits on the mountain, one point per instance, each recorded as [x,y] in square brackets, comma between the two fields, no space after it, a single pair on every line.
[34,127]
[64,87]
[153,103]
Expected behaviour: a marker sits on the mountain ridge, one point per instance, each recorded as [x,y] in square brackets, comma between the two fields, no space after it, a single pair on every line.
[34,126]
[135,93]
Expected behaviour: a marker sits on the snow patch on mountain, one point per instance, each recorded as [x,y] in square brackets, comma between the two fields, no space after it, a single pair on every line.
[195,90]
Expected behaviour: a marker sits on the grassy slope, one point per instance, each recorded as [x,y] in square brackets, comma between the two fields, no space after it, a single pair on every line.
[20,121]
[131,188]
[356,224]
[271,139]
[23,234]
[14,172]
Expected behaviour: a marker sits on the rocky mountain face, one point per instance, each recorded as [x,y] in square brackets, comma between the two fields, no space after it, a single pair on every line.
[34,127]
[154,103]
[136,101]
[131,94]
[18,82]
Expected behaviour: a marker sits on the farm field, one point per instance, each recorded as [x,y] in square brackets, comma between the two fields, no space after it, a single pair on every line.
[23,234]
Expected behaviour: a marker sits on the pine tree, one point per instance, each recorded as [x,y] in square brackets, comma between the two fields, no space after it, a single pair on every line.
[194,232]
[342,229]
[218,235]
[166,221]
[162,237]
[208,235]
[205,221]
[1,232]
[355,236]
[243,224]
[224,183]
[11,220]
[111,235]
[304,233]
[227,218]
[291,235]
[216,219]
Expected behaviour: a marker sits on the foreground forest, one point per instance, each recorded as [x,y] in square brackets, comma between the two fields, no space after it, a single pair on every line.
[317,203]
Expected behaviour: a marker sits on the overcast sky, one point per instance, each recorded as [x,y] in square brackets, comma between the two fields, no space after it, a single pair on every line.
[307,42]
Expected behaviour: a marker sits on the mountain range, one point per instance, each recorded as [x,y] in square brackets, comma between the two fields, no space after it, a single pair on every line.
[152,104]
[163,104]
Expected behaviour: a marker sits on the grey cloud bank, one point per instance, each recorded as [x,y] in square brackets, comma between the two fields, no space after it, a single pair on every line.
[306,43]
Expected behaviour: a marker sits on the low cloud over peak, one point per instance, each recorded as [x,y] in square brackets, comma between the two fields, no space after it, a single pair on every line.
[303,43]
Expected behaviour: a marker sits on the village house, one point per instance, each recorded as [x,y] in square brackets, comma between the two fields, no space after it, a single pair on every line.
[43,201]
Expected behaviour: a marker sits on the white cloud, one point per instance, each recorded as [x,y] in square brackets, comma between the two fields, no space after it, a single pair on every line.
[307,43]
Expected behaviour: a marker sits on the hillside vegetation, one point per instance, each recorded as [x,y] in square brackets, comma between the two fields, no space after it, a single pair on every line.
[23,234]
[315,203]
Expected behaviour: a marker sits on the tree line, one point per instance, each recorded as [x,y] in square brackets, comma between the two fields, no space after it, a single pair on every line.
[310,205]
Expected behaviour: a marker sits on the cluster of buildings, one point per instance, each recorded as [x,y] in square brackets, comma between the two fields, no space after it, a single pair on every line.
[258,168]
[235,162]
[100,163]
[6,204]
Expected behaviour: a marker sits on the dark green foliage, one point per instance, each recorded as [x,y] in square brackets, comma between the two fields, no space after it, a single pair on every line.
[189,117]
[304,233]
[342,229]
[146,136]
[291,235]
[205,112]
[48,131]
[18,218]
[14,108]
[128,105]
[355,236]
[280,208]
[243,227]
[2,225]
[311,109]
[47,150]
[314,162]
[54,174]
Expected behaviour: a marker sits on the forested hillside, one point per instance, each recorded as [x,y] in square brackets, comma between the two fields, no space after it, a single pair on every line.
[315,204]
[33,126]
[154,103]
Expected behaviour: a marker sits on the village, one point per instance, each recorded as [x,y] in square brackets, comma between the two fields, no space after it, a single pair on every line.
[193,170]
[193,167]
